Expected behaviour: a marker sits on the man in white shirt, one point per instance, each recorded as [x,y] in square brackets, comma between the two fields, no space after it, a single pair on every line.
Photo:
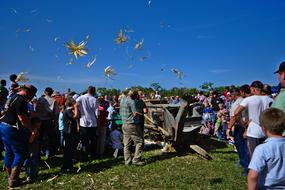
[255,105]
[88,108]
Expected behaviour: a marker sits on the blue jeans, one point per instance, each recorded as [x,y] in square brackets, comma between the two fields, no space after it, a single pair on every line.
[16,145]
[241,145]
[221,134]
[61,142]
[214,117]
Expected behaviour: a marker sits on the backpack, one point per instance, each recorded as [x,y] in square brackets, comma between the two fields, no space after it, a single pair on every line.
[3,92]
[7,105]
[67,123]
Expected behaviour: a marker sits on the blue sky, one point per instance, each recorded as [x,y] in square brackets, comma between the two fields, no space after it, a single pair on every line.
[223,41]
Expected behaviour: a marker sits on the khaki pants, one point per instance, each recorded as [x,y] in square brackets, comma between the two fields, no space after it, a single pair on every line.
[131,133]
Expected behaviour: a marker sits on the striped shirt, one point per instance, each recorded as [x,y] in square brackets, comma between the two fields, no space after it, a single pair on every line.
[127,110]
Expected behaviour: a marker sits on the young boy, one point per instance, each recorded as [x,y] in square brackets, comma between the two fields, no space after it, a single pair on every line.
[111,110]
[60,126]
[116,140]
[266,169]
[70,115]
[32,162]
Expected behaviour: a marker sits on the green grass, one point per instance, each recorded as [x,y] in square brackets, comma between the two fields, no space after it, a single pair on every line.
[162,171]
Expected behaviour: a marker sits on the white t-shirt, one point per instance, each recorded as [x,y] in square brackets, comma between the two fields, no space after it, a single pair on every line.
[235,105]
[116,138]
[88,108]
[110,111]
[255,105]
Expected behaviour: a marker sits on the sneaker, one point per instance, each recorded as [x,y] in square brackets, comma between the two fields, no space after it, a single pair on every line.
[116,153]
[244,173]
[139,163]
[231,142]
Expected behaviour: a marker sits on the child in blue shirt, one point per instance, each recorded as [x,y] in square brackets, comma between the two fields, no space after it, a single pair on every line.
[207,117]
[266,169]
[60,126]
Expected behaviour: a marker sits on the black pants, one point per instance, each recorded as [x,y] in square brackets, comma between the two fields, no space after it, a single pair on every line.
[69,149]
[88,141]
[47,137]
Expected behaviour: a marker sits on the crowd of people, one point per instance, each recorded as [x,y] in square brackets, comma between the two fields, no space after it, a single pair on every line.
[54,123]
[234,118]
[250,117]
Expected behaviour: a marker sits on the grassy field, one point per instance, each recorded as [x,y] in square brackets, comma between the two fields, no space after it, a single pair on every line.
[162,171]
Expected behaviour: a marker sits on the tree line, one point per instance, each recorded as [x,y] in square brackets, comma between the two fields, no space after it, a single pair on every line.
[175,91]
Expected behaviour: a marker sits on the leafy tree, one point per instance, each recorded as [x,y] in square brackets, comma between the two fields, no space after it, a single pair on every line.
[113,92]
[220,89]
[207,86]
[175,91]
[155,86]
[102,91]
[109,92]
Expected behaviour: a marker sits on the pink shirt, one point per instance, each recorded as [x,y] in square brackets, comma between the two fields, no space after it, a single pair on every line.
[102,118]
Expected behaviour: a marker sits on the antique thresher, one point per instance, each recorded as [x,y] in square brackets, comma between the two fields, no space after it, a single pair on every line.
[176,124]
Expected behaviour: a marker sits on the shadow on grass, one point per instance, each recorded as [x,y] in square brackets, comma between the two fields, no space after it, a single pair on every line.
[101,165]
[211,144]
[164,156]
[151,147]
[46,176]
[108,163]
[224,152]
[215,181]
[55,161]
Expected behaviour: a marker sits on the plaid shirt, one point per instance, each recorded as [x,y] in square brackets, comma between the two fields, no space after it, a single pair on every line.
[127,110]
